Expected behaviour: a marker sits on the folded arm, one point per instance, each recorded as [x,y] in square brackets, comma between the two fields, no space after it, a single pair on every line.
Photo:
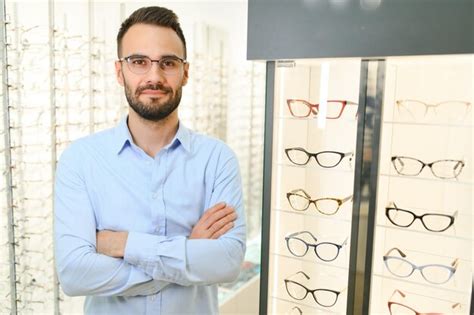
[81,270]
[201,261]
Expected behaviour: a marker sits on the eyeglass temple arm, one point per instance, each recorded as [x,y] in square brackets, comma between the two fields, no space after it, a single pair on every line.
[456,305]
[346,199]
[398,250]
[399,292]
[294,191]
[300,272]
[455,263]
[455,214]
[304,232]
[345,241]
[298,309]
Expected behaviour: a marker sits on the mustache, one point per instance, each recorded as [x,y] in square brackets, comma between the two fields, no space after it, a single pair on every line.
[157,87]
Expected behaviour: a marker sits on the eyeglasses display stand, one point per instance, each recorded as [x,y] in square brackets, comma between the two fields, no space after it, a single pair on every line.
[387,187]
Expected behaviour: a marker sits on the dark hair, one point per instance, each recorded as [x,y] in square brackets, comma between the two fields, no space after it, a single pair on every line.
[158,16]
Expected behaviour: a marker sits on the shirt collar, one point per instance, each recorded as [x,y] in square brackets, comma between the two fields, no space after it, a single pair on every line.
[123,137]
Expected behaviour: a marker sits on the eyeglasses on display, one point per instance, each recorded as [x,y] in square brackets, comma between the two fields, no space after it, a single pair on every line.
[324,297]
[444,169]
[302,108]
[433,222]
[432,273]
[447,109]
[326,159]
[326,251]
[138,64]
[300,200]
[397,308]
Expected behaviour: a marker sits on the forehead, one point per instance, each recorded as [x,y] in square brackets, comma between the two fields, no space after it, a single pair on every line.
[151,40]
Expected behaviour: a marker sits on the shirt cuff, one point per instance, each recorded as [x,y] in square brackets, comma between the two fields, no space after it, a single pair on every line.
[161,257]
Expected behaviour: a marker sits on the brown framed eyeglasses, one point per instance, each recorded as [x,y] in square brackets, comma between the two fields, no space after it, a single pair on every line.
[302,108]
[397,308]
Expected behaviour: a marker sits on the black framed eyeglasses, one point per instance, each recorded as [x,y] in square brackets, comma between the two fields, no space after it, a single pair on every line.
[433,222]
[326,251]
[300,200]
[326,159]
[432,273]
[324,297]
[444,169]
[139,64]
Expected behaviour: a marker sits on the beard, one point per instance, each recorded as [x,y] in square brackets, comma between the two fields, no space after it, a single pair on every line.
[153,111]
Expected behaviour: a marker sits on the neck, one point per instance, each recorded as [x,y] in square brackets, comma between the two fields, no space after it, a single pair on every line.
[152,136]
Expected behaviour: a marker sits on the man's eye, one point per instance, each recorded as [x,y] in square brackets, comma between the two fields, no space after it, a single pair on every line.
[138,61]
[169,63]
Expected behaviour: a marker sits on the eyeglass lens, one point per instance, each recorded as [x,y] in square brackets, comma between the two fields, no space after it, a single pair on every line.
[431,221]
[327,159]
[444,169]
[323,297]
[325,251]
[302,108]
[300,202]
[436,274]
[142,64]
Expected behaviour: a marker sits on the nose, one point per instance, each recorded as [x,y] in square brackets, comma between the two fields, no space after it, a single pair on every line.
[155,74]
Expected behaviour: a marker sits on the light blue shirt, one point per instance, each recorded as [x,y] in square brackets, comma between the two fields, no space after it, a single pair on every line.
[105,181]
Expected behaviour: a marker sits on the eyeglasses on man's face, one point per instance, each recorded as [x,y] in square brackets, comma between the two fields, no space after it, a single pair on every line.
[300,200]
[444,169]
[326,159]
[302,108]
[139,64]
[433,273]
[324,297]
[326,251]
[397,308]
[450,110]
[433,222]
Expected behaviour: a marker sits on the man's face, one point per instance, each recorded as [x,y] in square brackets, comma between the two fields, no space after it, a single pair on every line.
[152,95]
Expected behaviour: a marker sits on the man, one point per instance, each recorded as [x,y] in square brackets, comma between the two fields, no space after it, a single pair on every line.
[132,231]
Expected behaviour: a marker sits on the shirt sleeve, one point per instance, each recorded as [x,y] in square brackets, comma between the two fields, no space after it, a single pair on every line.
[81,270]
[198,261]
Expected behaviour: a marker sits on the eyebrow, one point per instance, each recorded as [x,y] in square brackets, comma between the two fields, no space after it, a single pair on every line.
[143,55]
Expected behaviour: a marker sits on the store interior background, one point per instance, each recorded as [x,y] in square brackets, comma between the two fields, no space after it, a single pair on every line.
[59,85]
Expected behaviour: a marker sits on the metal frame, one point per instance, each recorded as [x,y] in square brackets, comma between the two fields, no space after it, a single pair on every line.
[267,186]
[372,80]
[8,163]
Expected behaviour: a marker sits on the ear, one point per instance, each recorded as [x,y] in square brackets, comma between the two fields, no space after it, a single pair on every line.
[185,74]
[119,72]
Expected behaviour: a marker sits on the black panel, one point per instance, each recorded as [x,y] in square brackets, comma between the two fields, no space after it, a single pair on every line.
[290,29]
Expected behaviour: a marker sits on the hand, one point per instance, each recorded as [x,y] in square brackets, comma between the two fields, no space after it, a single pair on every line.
[215,222]
[111,243]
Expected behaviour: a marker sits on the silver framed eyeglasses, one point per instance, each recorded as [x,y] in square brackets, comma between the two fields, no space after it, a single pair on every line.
[432,273]
[139,64]
[451,110]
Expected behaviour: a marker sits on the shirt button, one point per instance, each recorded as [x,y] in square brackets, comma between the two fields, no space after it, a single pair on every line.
[154,195]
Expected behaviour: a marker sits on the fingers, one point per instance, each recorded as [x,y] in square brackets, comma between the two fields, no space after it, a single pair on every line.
[217,215]
[213,210]
[222,231]
[222,223]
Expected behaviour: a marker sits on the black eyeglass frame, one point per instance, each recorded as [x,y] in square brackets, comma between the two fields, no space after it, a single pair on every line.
[392,206]
[315,156]
[287,280]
